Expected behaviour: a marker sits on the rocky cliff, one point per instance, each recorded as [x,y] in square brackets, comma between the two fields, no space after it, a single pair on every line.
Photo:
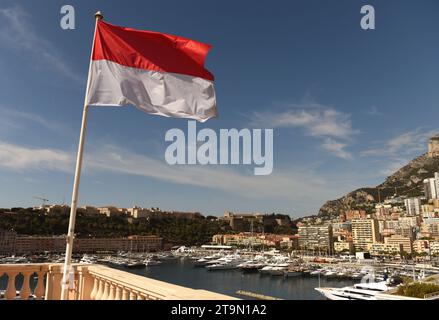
[407,181]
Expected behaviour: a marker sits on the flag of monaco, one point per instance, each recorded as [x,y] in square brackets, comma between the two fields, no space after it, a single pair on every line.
[159,73]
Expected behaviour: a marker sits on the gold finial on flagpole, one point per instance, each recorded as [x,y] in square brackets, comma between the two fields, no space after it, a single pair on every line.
[99,15]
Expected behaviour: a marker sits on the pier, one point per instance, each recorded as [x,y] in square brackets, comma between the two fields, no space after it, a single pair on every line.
[255,295]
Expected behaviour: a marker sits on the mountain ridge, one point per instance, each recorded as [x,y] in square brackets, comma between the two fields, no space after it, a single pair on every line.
[406,181]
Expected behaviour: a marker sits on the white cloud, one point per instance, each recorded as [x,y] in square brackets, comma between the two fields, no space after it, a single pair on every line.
[285,184]
[374,111]
[403,145]
[336,148]
[317,121]
[298,184]
[397,151]
[22,158]
[16,32]
[15,118]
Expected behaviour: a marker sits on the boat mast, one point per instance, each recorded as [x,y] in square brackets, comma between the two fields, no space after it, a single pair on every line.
[251,239]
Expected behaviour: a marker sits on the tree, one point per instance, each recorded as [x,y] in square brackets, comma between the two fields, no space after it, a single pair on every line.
[172,229]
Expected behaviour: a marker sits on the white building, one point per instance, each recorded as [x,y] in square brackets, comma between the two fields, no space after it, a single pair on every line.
[137,212]
[406,242]
[111,211]
[431,187]
[413,206]
[364,233]
[408,222]
[392,224]
[316,238]
[379,249]
[434,248]
[430,227]
[339,226]
[344,246]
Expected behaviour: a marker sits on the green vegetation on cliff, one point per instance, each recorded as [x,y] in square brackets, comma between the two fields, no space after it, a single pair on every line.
[174,230]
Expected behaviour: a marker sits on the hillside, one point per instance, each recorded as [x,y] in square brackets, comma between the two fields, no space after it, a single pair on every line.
[407,181]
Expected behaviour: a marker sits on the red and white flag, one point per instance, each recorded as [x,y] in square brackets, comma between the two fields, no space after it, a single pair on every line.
[159,73]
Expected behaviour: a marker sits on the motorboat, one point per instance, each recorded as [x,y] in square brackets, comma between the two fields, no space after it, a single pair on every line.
[117,261]
[151,262]
[316,272]
[221,266]
[165,256]
[213,259]
[293,272]
[330,274]
[15,260]
[225,263]
[135,264]
[86,259]
[266,269]
[276,266]
[251,266]
[201,262]
[277,270]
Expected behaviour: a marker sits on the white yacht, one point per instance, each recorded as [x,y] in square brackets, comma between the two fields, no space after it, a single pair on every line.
[252,265]
[201,262]
[330,274]
[151,262]
[87,259]
[167,256]
[226,263]
[317,272]
[135,264]
[293,271]
[266,269]
[222,266]
[118,261]
[359,291]
[276,266]
[277,270]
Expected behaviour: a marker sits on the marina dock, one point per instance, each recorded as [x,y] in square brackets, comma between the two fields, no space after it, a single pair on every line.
[255,295]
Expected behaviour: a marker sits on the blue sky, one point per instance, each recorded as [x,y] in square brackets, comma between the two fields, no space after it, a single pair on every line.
[347,106]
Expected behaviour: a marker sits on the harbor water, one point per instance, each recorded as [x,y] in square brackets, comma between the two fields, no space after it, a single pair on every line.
[183,272]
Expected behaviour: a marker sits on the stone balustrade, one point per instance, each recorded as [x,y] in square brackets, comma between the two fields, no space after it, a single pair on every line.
[93,282]
[38,273]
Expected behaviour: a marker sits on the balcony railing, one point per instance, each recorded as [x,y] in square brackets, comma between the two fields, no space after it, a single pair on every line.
[92,282]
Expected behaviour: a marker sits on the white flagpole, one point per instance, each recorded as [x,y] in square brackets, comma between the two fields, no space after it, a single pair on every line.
[72,220]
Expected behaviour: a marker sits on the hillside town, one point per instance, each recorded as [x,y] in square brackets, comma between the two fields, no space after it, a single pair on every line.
[398,227]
